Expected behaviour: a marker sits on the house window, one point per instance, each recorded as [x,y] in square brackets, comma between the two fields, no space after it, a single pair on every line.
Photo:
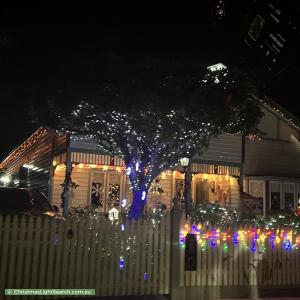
[97,190]
[275,195]
[257,189]
[289,196]
[114,184]
[105,190]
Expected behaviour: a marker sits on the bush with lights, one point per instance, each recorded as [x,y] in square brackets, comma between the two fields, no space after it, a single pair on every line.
[213,214]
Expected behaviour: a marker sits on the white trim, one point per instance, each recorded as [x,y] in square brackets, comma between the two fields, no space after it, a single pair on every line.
[194,189]
[273,178]
[280,113]
[172,187]
[245,185]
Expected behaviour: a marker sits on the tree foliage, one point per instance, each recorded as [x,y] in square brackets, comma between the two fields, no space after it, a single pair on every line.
[153,114]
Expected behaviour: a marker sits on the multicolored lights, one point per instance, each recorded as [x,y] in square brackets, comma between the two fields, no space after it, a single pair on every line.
[253,239]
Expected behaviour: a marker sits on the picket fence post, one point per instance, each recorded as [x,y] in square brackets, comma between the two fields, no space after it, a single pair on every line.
[175,267]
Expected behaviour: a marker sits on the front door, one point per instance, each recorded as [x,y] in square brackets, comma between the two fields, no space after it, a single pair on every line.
[105,192]
[201,191]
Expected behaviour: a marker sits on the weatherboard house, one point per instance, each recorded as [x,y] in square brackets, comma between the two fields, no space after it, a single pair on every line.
[265,167]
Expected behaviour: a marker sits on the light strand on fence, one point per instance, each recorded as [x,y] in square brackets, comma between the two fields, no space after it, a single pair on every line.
[247,238]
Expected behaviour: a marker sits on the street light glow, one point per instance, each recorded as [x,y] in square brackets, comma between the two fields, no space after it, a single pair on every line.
[5,179]
[184,162]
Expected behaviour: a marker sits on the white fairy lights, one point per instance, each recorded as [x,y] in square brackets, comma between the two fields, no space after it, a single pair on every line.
[147,149]
[151,142]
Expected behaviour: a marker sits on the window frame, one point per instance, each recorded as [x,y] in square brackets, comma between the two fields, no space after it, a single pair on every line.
[281,194]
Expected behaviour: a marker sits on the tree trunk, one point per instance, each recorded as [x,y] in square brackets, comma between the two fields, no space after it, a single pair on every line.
[138,203]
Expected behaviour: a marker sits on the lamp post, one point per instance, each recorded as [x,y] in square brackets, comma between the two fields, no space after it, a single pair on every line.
[185,163]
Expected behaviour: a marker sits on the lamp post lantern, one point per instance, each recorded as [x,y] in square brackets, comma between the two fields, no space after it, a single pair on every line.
[185,163]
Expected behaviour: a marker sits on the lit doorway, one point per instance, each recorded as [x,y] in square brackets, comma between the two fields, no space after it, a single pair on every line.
[202,191]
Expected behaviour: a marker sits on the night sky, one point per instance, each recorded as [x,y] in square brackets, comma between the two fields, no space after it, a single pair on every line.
[44,50]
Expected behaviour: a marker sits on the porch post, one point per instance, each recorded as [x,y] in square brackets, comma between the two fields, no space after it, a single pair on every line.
[52,169]
[67,182]
[241,184]
[187,188]
[66,192]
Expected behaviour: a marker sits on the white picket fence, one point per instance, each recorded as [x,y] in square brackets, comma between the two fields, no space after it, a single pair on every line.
[114,259]
[133,258]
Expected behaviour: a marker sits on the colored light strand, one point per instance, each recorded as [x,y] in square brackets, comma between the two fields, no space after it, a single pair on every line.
[251,238]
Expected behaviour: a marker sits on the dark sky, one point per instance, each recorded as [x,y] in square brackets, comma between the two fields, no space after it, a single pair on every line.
[41,48]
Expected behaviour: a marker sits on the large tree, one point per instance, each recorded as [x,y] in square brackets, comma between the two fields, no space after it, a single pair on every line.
[153,115]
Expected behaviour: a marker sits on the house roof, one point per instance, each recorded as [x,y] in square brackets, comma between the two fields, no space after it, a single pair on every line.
[24,146]
[282,112]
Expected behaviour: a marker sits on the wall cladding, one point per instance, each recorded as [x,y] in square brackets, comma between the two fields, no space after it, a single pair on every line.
[224,148]
[79,195]
[270,157]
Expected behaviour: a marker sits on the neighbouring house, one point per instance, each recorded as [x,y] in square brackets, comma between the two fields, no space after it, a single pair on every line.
[267,169]
[271,169]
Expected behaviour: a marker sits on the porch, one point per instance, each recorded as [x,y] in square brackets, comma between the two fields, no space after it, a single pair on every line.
[101,180]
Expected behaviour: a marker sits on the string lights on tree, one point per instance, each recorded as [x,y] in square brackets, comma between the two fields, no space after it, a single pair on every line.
[152,139]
